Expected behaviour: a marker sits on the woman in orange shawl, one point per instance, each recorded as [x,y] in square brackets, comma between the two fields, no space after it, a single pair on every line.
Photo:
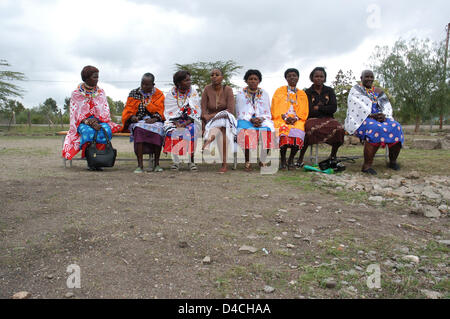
[143,117]
[289,113]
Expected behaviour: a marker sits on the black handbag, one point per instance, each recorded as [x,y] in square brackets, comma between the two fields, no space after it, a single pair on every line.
[101,158]
[334,163]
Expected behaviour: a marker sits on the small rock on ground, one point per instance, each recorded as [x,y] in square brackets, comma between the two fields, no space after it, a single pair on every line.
[330,283]
[21,295]
[249,249]
[431,294]
[411,258]
[269,289]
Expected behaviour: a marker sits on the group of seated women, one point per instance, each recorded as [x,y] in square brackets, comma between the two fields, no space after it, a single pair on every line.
[293,119]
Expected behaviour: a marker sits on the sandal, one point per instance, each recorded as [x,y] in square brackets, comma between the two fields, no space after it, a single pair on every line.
[248,166]
[223,170]
[158,169]
[193,167]
[138,170]
[394,166]
[175,167]
[299,165]
[369,171]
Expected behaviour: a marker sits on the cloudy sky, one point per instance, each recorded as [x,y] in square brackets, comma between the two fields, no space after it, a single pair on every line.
[51,41]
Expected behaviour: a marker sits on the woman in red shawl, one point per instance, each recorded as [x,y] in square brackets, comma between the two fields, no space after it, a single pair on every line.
[89,112]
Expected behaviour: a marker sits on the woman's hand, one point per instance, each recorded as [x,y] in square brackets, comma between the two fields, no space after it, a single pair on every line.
[96,126]
[379,117]
[291,120]
[151,121]
[256,121]
[134,119]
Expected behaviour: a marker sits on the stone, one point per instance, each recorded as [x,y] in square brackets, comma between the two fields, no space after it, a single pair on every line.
[290,246]
[49,276]
[330,283]
[269,289]
[277,238]
[445,142]
[265,196]
[206,260]
[404,250]
[444,242]
[431,211]
[248,249]
[413,175]
[21,295]
[429,193]
[426,144]
[183,244]
[69,295]
[445,194]
[431,294]
[443,209]
[389,263]
[411,258]
[377,199]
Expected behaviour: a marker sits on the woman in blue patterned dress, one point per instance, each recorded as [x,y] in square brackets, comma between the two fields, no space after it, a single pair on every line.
[369,117]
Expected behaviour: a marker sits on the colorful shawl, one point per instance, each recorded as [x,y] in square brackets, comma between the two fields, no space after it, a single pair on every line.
[360,107]
[82,106]
[246,107]
[177,106]
[155,105]
[282,102]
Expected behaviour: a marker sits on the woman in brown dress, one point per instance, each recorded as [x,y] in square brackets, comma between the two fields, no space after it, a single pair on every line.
[321,127]
[218,115]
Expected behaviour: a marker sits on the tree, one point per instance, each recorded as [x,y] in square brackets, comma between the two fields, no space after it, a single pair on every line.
[7,89]
[115,107]
[10,106]
[342,86]
[49,106]
[410,70]
[200,72]
[67,105]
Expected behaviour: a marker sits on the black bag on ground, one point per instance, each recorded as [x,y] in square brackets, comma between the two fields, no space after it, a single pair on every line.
[334,163]
[101,158]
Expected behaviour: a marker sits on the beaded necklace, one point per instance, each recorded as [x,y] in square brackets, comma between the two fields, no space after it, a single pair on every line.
[252,97]
[372,95]
[288,96]
[146,97]
[88,93]
[178,93]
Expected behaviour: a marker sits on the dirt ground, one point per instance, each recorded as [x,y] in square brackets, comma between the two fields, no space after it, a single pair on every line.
[146,235]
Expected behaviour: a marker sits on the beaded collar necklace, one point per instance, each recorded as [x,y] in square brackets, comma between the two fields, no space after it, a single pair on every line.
[178,94]
[371,93]
[146,97]
[288,96]
[253,97]
[91,93]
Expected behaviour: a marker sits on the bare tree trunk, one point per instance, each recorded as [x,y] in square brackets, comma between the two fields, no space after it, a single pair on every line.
[416,129]
[441,121]
[29,118]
